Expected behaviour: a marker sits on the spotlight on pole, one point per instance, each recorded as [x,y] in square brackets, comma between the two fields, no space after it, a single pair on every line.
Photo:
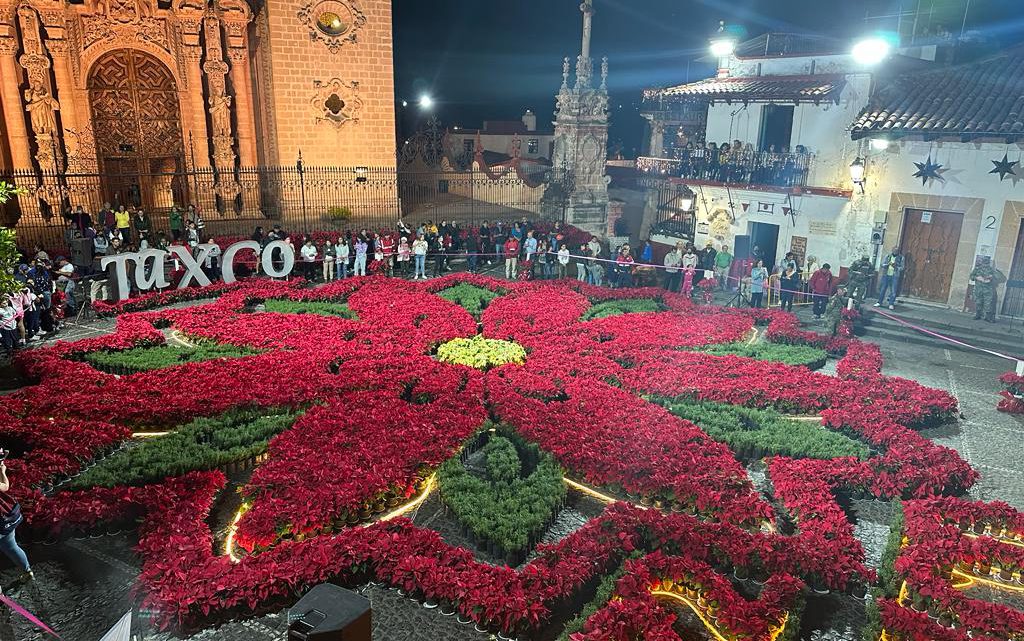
[426,102]
[871,51]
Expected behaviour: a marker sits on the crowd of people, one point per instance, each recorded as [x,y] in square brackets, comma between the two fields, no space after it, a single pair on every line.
[523,249]
[741,163]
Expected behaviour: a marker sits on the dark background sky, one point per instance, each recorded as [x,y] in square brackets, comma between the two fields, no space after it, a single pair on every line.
[493,60]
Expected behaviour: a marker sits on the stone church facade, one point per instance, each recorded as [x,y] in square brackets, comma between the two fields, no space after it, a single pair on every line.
[155,88]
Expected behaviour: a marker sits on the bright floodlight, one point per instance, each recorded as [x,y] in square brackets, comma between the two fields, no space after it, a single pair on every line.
[426,102]
[879,144]
[723,43]
[871,51]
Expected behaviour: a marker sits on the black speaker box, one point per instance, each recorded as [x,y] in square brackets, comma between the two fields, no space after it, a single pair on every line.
[330,613]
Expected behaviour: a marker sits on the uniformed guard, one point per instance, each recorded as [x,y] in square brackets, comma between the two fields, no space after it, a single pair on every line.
[860,275]
[985,278]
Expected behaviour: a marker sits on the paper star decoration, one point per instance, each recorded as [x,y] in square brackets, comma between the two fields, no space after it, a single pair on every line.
[927,170]
[1004,167]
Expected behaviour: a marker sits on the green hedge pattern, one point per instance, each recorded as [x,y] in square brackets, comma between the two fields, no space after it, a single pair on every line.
[471,297]
[506,509]
[753,433]
[140,359]
[623,306]
[810,357]
[320,308]
[203,444]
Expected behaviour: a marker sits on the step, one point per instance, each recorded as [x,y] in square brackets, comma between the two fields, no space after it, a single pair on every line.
[894,332]
[979,330]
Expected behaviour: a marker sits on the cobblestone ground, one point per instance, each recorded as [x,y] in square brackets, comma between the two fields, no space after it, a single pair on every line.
[83,586]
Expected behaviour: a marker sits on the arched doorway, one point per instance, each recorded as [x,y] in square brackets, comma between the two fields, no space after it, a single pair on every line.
[137,125]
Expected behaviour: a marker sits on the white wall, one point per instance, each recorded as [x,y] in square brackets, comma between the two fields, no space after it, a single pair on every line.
[502,144]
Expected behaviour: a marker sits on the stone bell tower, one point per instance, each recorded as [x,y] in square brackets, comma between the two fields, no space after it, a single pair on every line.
[581,138]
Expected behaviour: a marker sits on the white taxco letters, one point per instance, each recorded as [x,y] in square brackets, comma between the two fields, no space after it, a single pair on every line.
[149,270]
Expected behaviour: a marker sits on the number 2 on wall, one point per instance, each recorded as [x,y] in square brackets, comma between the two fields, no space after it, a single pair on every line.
[990,222]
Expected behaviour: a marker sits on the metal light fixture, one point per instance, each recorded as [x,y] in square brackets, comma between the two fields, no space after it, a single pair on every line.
[361,173]
[871,51]
[857,173]
[723,43]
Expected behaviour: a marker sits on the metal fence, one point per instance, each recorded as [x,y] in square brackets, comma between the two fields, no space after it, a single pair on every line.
[297,197]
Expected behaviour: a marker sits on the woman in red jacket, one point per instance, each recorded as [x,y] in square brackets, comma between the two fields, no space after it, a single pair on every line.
[511,257]
[821,287]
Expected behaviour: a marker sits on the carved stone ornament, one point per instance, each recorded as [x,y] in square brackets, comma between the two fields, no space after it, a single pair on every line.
[336,102]
[332,22]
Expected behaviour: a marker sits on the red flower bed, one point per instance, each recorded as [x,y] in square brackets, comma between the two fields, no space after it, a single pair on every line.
[383,412]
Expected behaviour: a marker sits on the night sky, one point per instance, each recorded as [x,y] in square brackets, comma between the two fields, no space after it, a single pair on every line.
[493,60]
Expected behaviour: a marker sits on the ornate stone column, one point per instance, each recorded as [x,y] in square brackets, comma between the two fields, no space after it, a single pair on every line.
[243,105]
[39,100]
[190,21]
[219,103]
[69,117]
[14,115]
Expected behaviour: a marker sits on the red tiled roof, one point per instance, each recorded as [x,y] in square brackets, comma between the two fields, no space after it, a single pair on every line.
[814,88]
[980,99]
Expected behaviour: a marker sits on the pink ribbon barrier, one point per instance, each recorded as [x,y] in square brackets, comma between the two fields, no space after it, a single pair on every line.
[28,615]
[942,337]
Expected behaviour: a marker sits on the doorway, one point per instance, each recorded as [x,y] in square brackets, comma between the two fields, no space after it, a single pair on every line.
[1013,299]
[776,127]
[136,121]
[764,242]
[929,244]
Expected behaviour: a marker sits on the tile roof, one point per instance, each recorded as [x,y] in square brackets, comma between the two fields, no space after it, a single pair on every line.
[981,99]
[814,88]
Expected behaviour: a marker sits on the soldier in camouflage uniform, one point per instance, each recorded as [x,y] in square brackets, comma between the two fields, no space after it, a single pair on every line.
[859,279]
[834,311]
[985,278]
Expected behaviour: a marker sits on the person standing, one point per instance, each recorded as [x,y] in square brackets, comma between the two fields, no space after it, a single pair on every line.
[861,273]
[581,263]
[530,246]
[404,255]
[690,258]
[673,260]
[624,267]
[143,226]
[308,253]
[723,263]
[821,289]
[123,222]
[892,269]
[360,264]
[985,277]
[10,519]
[758,279]
[707,257]
[341,252]
[563,261]
[419,253]
[789,286]
[176,223]
[485,242]
[329,256]
[511,256]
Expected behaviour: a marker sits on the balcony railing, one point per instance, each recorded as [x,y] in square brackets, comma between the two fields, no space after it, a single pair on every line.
[745,167]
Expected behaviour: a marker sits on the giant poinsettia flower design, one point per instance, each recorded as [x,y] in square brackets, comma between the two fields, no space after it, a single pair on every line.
[381,412]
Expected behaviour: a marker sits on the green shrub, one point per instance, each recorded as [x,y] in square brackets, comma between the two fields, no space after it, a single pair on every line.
[474,299]
[624,306]
[339,213]
[753,433]
[203,444]
[513,503]
[319,308]
[810,357]
[603,594]
[140,359]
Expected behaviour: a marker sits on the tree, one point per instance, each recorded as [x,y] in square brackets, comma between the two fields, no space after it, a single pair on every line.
[8,245]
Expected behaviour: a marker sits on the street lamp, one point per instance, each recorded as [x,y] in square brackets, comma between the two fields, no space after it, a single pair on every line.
[722,46]
[426,102]
[857,173]
[871,51]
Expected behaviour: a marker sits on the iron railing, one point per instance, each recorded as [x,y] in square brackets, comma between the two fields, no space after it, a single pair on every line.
[743,167]
[297,197]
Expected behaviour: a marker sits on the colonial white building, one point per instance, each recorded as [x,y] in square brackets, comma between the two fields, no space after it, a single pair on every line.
[501,140]
[928,135]
[943,173]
